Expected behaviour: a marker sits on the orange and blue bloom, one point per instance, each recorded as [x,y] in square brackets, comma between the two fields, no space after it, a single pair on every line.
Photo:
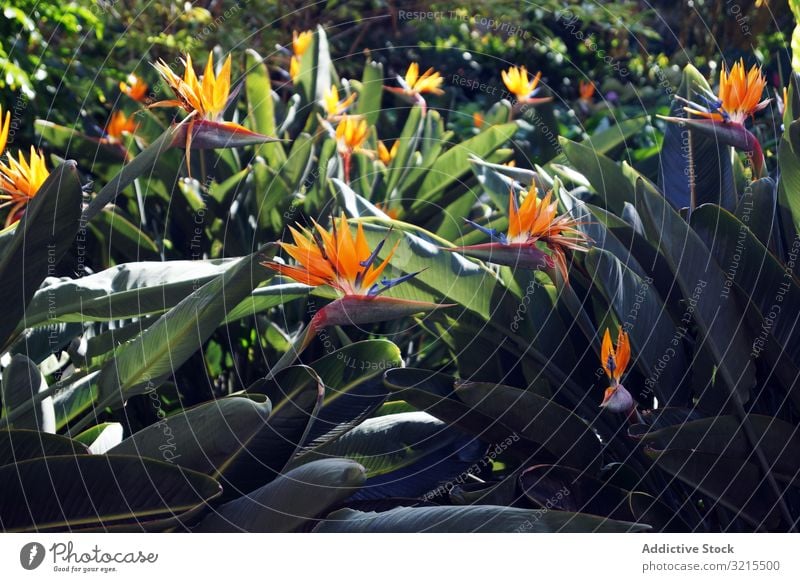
[723,116]
[534,221]
[205,98]
[615,360]
[739,97]
[346,263]
[413,85]
[20,181]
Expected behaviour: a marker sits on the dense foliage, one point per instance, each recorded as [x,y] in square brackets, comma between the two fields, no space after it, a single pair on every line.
[305,287]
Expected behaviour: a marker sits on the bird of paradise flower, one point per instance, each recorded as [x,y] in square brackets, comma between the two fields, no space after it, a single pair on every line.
[345,263]
[723,116]
[534,221]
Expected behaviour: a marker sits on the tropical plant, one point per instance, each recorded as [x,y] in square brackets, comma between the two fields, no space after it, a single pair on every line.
[329,333]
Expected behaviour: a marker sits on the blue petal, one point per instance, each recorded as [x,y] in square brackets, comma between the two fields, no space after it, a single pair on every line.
[495,235]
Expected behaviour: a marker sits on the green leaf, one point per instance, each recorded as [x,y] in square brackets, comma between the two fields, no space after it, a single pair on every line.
[142,164]
[695,168]
[267,297]
[455,162]
[758,209]
[605,176]
[20,445]
[296,394]
[22,380]
[74,398]
[388,443]
[70,143]
[735,484]
[724,435]
[299,161]
[495,413]
[789,184]
[101,437]
[291,501]
[606,140]
[702,284]
[205,438]
[122,292]
[470,519]
[316,68]
[142,364]
[556,429]
[408,140]
[261,107]
[45,233]
[77,492]
[370,92]
[754,269]
[124,237]
[477,288]
[353,380]
[656,341]
[564,489]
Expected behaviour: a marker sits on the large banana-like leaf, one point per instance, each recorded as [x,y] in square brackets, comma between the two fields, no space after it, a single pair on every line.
[72,144]
[42,236]
[758,207]
[370,92]
[74,397]
[296,394]
[101,438]
[204,438]
[789,164]
[702,282]
[290,502]
[133,290]
[471,519]
[495,413]
[22,380]
[606,140]
[20,445]
[736,485]
[409,455]
[387,443]
[749,265]
[78,492]
[695,169]
[606,177]
[143,363]
[565,489]
[316,70]
[121,236]
[453,164]
[261,107]
[725,435]
[442,275]
[353,380]
[124,291]
[142,164]
[408,140]
[656,340]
